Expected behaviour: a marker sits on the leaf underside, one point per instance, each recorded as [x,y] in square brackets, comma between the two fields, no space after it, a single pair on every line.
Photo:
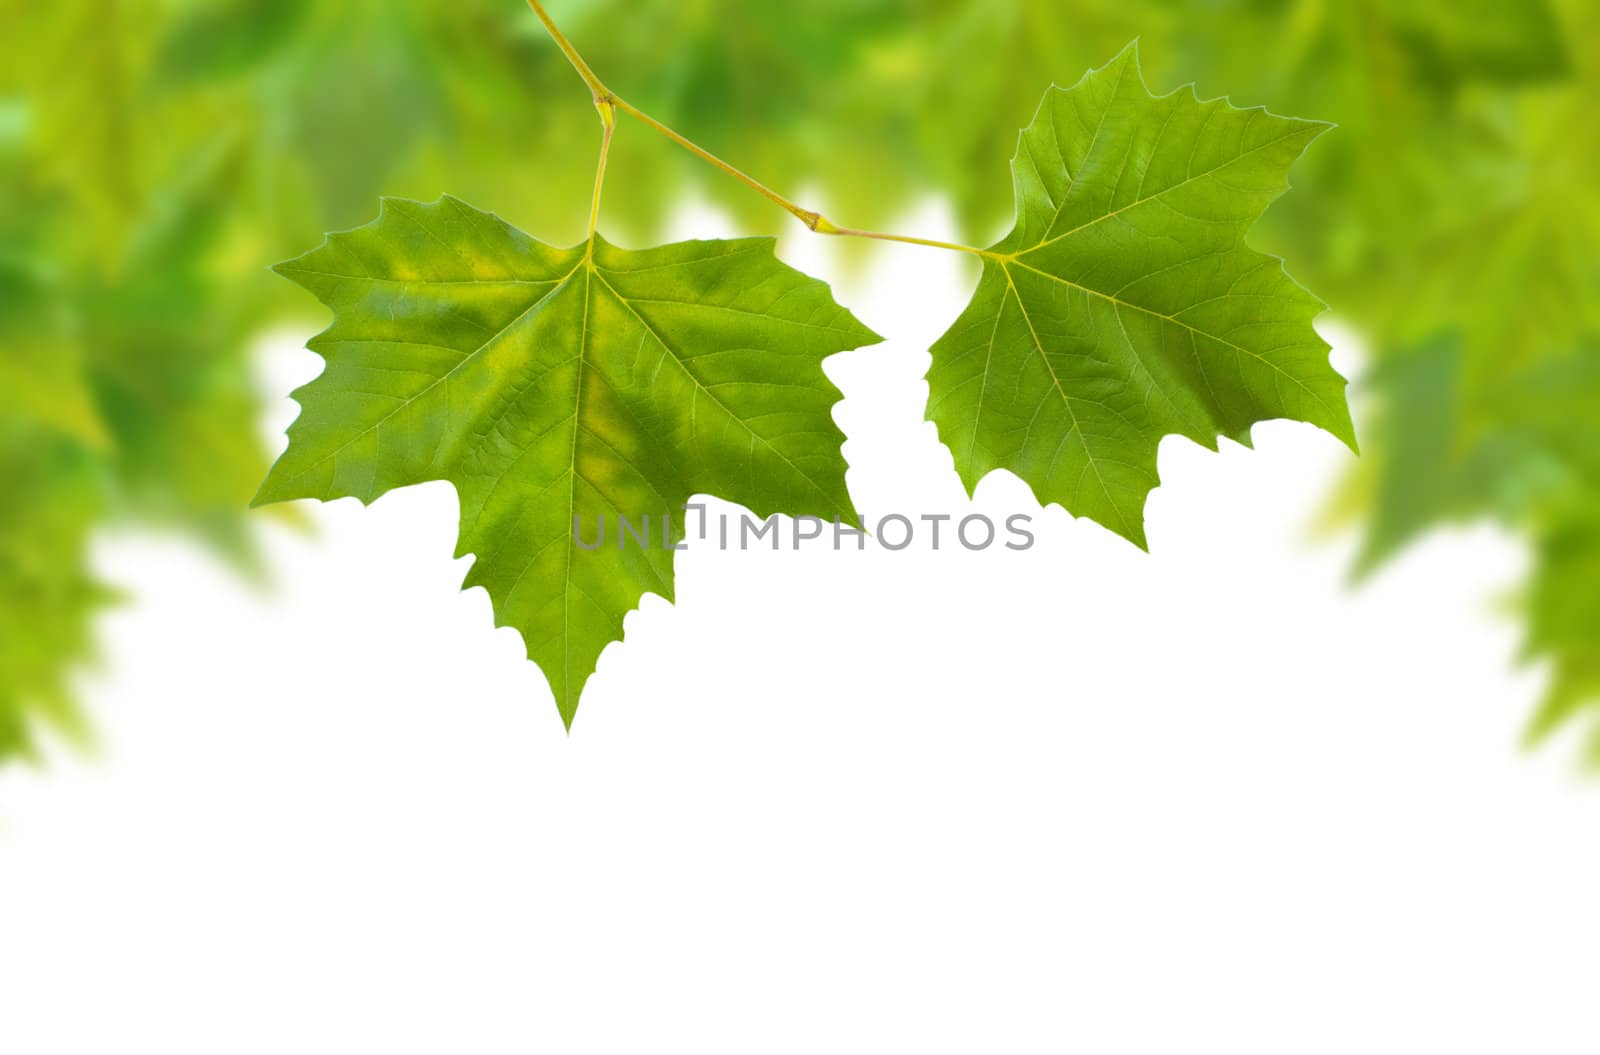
[560,385]
[1125,306]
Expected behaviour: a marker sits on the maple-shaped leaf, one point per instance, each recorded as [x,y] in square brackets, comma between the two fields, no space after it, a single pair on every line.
[1125,306]
[558,387]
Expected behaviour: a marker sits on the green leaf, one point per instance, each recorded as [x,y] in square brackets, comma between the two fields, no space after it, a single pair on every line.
[43,382]
[962,124]
[48,595]
[1456,201]
[1483,39]
[1420,469]
[1443,456]
[1124,306]
[226,38]
[1563,609]
[555,387]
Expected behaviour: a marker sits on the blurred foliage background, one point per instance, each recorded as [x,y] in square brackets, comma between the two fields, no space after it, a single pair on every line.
[157,155]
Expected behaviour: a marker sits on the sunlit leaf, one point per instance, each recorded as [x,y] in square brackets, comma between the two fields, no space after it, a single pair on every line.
[1124,306]
[562,387]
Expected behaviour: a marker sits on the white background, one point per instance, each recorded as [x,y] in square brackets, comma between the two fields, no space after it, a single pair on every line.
[1074,799]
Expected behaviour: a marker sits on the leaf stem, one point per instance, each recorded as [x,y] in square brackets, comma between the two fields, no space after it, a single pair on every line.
[608,102]
[608,122]
[825,227]
[597,89]
[805,216]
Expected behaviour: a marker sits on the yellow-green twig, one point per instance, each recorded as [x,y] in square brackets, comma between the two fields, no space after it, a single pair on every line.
[608,102]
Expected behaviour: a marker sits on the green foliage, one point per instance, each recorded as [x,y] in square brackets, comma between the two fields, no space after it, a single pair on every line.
[47,593]
[155,153]
[463,350]
[562,387]
[1564,610]
[1124,306]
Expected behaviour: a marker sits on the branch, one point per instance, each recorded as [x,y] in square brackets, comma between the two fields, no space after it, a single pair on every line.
[608,102]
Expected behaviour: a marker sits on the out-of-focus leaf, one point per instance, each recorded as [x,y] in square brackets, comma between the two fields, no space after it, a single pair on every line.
[1529,458]
[1464,40]
[1519,280]
[43,382]
[1442,457]
[356,122]
[1555,407]
[1563,609]
[221,38]
[47,595]
[166,338]
[81,126]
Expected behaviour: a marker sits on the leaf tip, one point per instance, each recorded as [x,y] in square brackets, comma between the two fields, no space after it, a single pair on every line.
[1133,531]
[267,494]
[1342,427]
[277,487]
[1120,61]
